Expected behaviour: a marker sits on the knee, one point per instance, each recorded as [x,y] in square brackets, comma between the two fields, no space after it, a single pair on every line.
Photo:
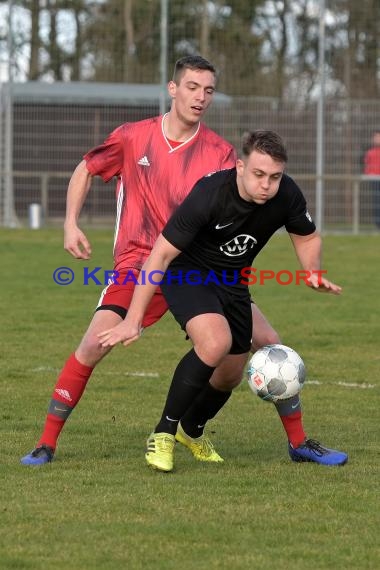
[270,337]
[90,352]
[214,349]
[273,338]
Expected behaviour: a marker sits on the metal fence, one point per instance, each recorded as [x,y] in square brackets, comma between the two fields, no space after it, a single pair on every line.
[47,137]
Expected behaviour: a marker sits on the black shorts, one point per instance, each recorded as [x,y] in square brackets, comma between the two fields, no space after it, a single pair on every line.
[187,301]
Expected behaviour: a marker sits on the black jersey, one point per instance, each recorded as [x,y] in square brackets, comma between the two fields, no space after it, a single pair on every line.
[219,232]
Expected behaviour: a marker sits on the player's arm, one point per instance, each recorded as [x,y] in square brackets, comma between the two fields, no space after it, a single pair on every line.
[308,249]
[75,242]
[129,330]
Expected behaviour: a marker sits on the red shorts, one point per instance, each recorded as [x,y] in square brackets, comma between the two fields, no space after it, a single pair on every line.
[117,297]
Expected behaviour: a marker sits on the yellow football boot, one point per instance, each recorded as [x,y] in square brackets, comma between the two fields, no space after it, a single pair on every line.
[200,447]
[160,451]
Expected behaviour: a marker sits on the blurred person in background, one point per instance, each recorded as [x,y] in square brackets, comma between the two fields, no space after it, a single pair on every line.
[372,168]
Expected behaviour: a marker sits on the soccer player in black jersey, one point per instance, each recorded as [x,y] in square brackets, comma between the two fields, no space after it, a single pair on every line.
[205,250]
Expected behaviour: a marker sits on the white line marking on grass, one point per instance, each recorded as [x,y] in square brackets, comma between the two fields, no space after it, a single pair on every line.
[136,373]
[142,374]
[345,384]
[354,385]
[45,369]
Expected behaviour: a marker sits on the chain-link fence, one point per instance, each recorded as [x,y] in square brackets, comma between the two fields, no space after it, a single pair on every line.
[81,68]
[52,131]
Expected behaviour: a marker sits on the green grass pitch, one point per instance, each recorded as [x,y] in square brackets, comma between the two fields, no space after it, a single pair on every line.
[98,506]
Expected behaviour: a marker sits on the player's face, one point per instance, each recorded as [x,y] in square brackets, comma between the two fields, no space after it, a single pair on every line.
[193,94]
[258,177]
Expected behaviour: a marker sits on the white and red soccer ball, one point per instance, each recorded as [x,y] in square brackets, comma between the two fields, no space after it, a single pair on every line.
[276,372]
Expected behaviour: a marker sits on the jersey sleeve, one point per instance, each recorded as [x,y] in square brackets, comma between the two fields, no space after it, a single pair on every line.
[106,160]
[229,159]
[299,220]
[189,218]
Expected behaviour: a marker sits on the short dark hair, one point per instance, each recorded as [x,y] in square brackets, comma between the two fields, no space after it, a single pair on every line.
[191,62]
[266,142]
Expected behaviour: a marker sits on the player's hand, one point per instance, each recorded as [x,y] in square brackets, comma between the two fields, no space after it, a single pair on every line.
[124,333]
[319,283]
[76,243]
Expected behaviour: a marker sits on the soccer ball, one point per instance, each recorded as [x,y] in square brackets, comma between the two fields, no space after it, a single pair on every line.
[276,372]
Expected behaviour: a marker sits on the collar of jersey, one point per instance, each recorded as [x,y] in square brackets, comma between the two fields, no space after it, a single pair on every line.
[180,145]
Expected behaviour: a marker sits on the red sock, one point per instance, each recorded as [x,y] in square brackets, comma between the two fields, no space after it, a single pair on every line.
[68,391]
[294,428]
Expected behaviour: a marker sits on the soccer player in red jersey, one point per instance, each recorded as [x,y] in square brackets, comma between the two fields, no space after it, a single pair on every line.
[156,163]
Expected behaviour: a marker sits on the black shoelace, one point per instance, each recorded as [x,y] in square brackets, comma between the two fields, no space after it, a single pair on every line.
[315,446]
[45,449]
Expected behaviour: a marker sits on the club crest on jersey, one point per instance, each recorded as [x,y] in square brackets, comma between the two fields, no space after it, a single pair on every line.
[239,245]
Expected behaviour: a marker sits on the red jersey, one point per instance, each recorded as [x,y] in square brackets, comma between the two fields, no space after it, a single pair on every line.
[153,179]
[372,161]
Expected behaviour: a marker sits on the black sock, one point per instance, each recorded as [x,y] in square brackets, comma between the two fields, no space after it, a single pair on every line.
[189,379]
[204,408]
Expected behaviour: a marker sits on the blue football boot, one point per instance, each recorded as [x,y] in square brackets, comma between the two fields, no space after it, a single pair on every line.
[39,456]
[311,450]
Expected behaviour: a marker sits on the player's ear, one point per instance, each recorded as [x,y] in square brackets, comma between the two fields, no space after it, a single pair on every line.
[239,167]
[172,89]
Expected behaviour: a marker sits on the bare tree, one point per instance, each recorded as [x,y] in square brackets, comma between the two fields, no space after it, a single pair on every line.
[130,45]
[204,41]
[263,47]
[363,48]
[79,9]
[52,46]
[34,63]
